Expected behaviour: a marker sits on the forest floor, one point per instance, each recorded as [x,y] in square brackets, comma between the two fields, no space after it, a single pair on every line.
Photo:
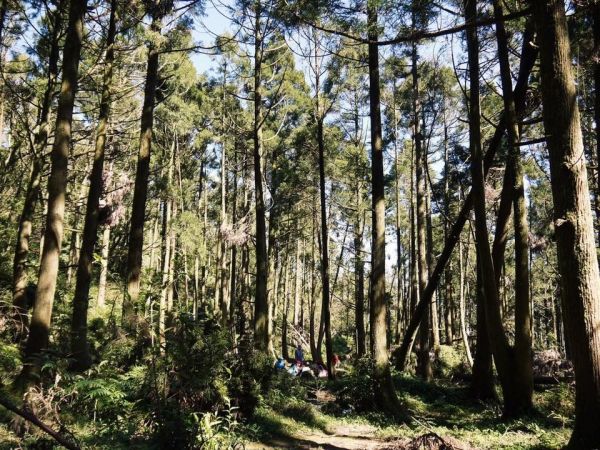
[319,415]
[440,410]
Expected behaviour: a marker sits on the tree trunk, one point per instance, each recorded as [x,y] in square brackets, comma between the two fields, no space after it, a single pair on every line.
[528,57]
[261,301]
[384,386]
[521,354]
[423,360]
[577,260]
[596,31]
[79,345]
[234,274]
[482,383]
[359,274]
[140,190]
[324,250]
[57,183]
[101,300]
[448,300]
[166,260]
[286,308]
[515,399]
[223,297]
[463,319]
[297,285]
[20,279]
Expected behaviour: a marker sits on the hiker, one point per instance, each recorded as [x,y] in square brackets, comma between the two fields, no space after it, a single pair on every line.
[280,363]
[293,370]
[299,355]
[322,372]
[305,372]
[335,361]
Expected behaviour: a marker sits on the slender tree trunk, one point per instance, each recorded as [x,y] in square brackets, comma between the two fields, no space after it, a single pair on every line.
[171,268]
[423,360]
[298,282]
[286,308]
[261,301]
[315,353]
[57,183]
[577,260]
[234,274]
[384,386]
[463,319]
[448,300]
[101,299]
[482,384]
[20,279]
[528,57]
[140,190]
[515,403]
[521,354]
[324,249]
[414,283]
[166,260]
[79,345]
[359,274]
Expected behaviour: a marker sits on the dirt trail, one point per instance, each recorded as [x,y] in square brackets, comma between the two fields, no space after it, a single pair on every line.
[345,437]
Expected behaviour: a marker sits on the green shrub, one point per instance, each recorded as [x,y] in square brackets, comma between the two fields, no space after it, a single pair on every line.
[449,362]
[357,388]
[10,362]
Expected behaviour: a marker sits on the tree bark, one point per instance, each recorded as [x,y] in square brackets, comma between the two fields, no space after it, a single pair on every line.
[528,57]
[57,183]
[573,223]
[482,382]
[423,360]
[448,300]
[324,248]
[261,301]
[461,301]
[20,279]
[596,56]
[79,344]
[359,274]
[521,398]
[101,299]
[384,386]
[140,190]
[498,340]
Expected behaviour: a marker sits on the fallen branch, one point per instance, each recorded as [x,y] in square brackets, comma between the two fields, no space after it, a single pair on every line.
[30,417]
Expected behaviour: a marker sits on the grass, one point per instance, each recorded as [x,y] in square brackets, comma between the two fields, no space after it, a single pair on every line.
[441,407]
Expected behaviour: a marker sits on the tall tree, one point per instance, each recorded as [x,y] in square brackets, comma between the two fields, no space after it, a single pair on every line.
[79,344]
[573,222]
[25,225]
[261,300]
[384,385]
[157,11]
[39,330]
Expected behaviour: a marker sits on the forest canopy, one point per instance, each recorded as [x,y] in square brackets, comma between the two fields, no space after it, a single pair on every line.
[299,224]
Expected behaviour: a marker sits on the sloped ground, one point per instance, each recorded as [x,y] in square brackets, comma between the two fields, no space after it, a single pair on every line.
[444,419]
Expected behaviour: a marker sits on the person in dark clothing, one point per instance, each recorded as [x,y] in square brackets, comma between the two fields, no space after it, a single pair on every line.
[299,355]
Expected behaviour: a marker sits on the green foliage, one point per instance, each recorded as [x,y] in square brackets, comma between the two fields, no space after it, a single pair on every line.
[449,361]
[252,374]
[217,432]
[357,389]
[10,362]
[340,344]
[105,395]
